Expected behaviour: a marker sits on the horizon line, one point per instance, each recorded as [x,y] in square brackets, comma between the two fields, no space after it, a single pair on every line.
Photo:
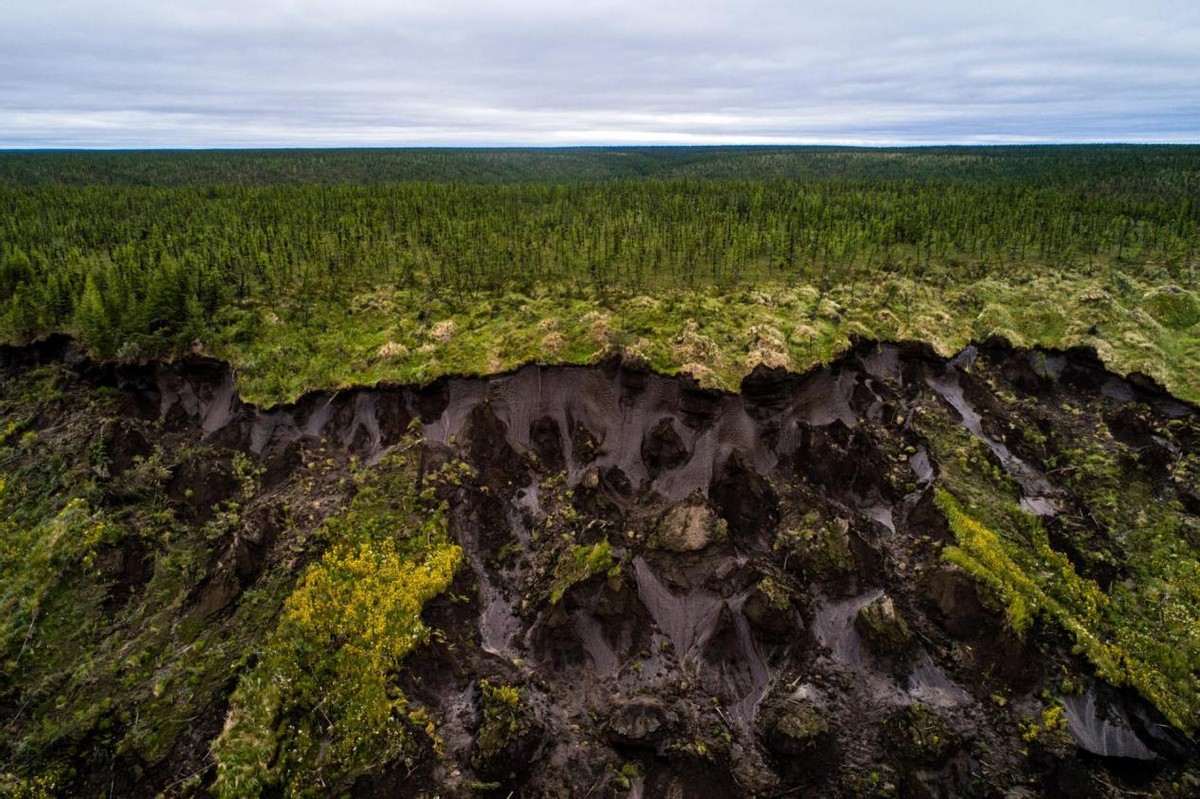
[622,146]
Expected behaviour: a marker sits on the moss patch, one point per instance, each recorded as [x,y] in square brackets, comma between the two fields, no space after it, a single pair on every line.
[1035,581]
[578,563]
[321,706]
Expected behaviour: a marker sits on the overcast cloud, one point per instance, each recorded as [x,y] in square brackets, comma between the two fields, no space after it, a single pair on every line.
[217,73]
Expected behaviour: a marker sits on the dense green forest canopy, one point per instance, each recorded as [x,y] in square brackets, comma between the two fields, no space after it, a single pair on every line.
[1154,169]
[154,253]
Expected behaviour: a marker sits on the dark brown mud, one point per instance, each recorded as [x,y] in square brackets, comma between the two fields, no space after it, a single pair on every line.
[779,620]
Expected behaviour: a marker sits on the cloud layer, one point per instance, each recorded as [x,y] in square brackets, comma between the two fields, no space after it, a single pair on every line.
[139,73]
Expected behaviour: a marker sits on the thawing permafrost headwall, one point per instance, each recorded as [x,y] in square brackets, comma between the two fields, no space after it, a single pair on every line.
[618,407]
[637,434]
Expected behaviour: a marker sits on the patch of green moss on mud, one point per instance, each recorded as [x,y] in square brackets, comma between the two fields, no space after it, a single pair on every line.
[119,643]
[321,706]
[1144,630]
[821,547]
[917,734]
[103,654]
[505,722]
[578,563]
[801,725]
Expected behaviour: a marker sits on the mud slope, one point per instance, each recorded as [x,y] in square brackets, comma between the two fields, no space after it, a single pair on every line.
[767,609]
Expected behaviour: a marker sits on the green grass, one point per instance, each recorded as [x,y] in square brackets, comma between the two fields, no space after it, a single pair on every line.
[321,707]
[1144,631]
[718,335]
[1143,636]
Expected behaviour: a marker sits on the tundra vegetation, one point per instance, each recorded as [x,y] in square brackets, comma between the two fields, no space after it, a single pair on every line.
[318,270]
[194,613]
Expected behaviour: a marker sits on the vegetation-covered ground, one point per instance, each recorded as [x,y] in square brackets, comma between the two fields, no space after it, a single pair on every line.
[312,270]
[598,581]
[145,569]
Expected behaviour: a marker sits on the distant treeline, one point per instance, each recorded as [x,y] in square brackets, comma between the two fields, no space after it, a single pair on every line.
[1165,170]
[158,264]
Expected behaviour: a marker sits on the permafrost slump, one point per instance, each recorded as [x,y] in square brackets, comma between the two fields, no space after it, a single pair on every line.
[683,660]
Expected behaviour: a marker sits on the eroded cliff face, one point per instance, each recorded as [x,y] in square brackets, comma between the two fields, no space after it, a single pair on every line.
[692,593]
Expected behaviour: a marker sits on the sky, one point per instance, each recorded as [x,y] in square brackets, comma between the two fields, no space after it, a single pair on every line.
[300,73]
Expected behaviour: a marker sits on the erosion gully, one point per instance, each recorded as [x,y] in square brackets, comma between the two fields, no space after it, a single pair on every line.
[685,663]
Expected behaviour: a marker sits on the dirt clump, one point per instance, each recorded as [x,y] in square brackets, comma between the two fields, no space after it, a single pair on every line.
[690,526]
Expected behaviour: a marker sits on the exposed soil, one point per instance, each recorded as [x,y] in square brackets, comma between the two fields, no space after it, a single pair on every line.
[718,659]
